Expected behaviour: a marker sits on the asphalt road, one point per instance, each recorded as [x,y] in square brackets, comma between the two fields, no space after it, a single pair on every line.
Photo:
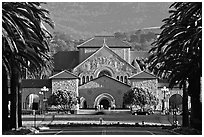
[106,131]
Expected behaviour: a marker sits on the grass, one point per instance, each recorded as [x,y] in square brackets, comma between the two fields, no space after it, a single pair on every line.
[187,131]
[21,131]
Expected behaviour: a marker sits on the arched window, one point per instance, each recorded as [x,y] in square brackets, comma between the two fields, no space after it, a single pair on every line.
[87,78]
[104,72]
[118,78]
[126,80]
[91,77]
[121,78]
[83,79]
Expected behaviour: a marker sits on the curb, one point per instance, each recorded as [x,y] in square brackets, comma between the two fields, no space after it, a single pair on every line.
[174,132]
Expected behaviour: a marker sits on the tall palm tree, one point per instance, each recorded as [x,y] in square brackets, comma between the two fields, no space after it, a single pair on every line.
[24,45]
[177,53]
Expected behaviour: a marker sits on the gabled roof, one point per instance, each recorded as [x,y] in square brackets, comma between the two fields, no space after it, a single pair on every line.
[64,75]
[66,60]
[106,76]
[106,47]
[110,41]
[143,75]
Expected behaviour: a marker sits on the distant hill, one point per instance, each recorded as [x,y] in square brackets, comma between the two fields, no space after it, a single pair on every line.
[82,20]
[141,39]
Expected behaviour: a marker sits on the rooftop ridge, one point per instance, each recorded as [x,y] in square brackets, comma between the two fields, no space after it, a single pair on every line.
[104,36]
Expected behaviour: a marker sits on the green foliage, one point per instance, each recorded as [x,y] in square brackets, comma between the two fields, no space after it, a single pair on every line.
[63,42]
[140,97]
[24,37]
[24,46]
[142,63]
[177,53]
[139,40]
[65,100]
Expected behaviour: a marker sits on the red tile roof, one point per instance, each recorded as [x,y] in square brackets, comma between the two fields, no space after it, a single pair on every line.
[64,75]
[143,75]
[110,41]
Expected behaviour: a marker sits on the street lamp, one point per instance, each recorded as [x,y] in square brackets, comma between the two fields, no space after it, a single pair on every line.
[42,92]
[164,90]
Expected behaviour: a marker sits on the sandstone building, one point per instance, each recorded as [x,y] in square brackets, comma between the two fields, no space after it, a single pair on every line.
[99,73]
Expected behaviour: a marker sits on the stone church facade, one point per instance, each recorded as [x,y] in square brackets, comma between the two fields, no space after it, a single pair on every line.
[99,73]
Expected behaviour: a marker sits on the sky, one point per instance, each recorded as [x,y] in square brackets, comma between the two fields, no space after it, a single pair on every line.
[86,19]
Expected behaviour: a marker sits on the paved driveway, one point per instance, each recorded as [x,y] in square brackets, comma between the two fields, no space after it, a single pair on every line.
[106,131]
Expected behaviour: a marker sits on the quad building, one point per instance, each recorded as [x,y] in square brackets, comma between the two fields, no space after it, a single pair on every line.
[99,73]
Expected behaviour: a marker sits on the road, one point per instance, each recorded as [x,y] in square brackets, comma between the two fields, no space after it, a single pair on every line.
[106,131]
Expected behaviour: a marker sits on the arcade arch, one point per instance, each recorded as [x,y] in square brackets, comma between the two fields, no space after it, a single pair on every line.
[104,99]
[30,99]
[175,101]
[83,102]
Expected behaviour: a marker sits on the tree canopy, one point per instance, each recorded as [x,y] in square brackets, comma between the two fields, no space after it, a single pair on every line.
[24,46]
[65,100]
[140,97]
[177,53]
[24,37]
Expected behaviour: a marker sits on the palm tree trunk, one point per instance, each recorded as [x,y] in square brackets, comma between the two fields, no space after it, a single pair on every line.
[5,119]
[19,103]
[185,117]
[14,97]
[196,104]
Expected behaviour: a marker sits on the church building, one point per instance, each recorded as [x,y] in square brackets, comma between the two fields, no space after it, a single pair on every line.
[99,74]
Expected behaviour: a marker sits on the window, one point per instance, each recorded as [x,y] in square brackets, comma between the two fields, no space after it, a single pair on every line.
[83,79]
[91,77]
[104,72]
[121,78]
[87,78]
[126,80]
[118,78]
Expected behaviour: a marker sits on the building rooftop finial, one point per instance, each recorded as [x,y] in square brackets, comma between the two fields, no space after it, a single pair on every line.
[104,42]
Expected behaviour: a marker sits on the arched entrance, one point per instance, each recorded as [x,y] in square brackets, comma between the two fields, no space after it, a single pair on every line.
[30,99]
[83,103]
[104,99]
[105,103]
[175,102]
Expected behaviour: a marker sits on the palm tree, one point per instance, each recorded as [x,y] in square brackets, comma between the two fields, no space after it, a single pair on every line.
[177,53]
[24,45]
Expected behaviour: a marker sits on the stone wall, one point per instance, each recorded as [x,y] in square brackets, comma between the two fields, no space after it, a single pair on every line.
[105,60]
[69,85]
[149,84]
